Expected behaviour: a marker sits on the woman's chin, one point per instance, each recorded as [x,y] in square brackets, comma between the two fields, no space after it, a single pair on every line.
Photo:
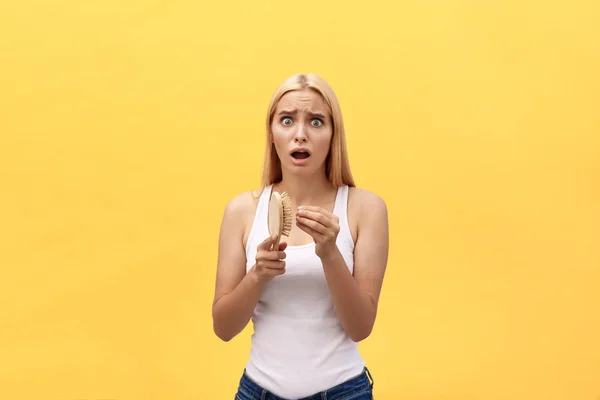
[300,170]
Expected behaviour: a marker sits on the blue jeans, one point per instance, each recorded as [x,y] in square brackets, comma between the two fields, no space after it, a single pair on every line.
[357,388]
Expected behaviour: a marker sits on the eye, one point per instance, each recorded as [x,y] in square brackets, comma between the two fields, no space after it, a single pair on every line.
[287,121]
[316,122]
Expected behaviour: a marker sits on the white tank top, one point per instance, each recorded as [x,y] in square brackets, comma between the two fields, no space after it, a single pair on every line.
[298,344]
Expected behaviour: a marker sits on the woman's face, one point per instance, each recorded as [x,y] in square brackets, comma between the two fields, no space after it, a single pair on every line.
[301,131]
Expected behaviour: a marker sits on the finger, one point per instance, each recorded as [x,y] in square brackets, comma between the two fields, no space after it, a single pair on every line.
[314,225]
[275,256]
[267,243]
[282,246]
[265,255]
[316,216]
[272,264]
[275,271]
[317,236]
[319,210]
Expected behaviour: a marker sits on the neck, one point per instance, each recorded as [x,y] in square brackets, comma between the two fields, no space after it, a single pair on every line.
[304,190]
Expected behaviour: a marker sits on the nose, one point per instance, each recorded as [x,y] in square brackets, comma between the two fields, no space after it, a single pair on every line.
[300,135]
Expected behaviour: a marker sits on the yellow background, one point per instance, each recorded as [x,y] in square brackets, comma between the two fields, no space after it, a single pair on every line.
[127,126]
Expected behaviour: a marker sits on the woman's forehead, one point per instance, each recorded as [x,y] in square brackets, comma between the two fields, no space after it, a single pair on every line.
[302,100]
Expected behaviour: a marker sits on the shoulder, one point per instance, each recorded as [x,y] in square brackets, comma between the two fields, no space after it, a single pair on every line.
[365,202]
[240,211]
[242,206]
[242,203]
[367,212]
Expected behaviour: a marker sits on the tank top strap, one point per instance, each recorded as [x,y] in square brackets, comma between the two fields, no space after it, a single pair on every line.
[341,211]
[263,202]
[262,210]
[260,229]
[341,200]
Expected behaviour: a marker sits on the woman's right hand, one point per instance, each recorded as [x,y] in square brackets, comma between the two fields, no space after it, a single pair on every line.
[269,263]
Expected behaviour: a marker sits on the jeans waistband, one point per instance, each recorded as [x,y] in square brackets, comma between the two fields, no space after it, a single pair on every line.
[255,391]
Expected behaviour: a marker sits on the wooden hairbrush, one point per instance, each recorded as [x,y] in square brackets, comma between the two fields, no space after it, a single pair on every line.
[280,216]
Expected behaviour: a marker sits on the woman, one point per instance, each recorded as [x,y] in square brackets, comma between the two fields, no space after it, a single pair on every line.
[313,299]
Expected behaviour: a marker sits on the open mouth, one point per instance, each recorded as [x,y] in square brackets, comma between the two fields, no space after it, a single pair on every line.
[300,155]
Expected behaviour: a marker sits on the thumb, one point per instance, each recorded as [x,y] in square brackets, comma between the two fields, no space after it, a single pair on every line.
[267,243]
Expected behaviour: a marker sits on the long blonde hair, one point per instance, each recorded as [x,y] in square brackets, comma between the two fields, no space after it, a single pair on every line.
[337,166]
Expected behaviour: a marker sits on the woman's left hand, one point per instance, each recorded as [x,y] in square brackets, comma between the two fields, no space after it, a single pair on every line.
[322,225]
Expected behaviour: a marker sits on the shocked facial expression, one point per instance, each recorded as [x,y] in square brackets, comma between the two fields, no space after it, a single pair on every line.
[301,130]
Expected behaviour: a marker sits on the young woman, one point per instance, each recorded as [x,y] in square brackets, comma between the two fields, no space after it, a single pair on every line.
[315,297]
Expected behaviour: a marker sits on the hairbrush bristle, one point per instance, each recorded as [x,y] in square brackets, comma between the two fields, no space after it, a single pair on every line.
[287,214]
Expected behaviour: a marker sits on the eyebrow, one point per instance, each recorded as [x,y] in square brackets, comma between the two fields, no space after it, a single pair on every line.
[290,112]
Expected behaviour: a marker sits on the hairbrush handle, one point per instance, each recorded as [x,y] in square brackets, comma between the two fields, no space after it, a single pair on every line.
[280,217]
[275,218]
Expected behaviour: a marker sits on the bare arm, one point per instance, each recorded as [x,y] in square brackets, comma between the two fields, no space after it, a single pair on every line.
[355,298]
[237,292]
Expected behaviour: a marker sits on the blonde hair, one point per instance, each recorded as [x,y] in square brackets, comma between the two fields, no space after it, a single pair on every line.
[337,166]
